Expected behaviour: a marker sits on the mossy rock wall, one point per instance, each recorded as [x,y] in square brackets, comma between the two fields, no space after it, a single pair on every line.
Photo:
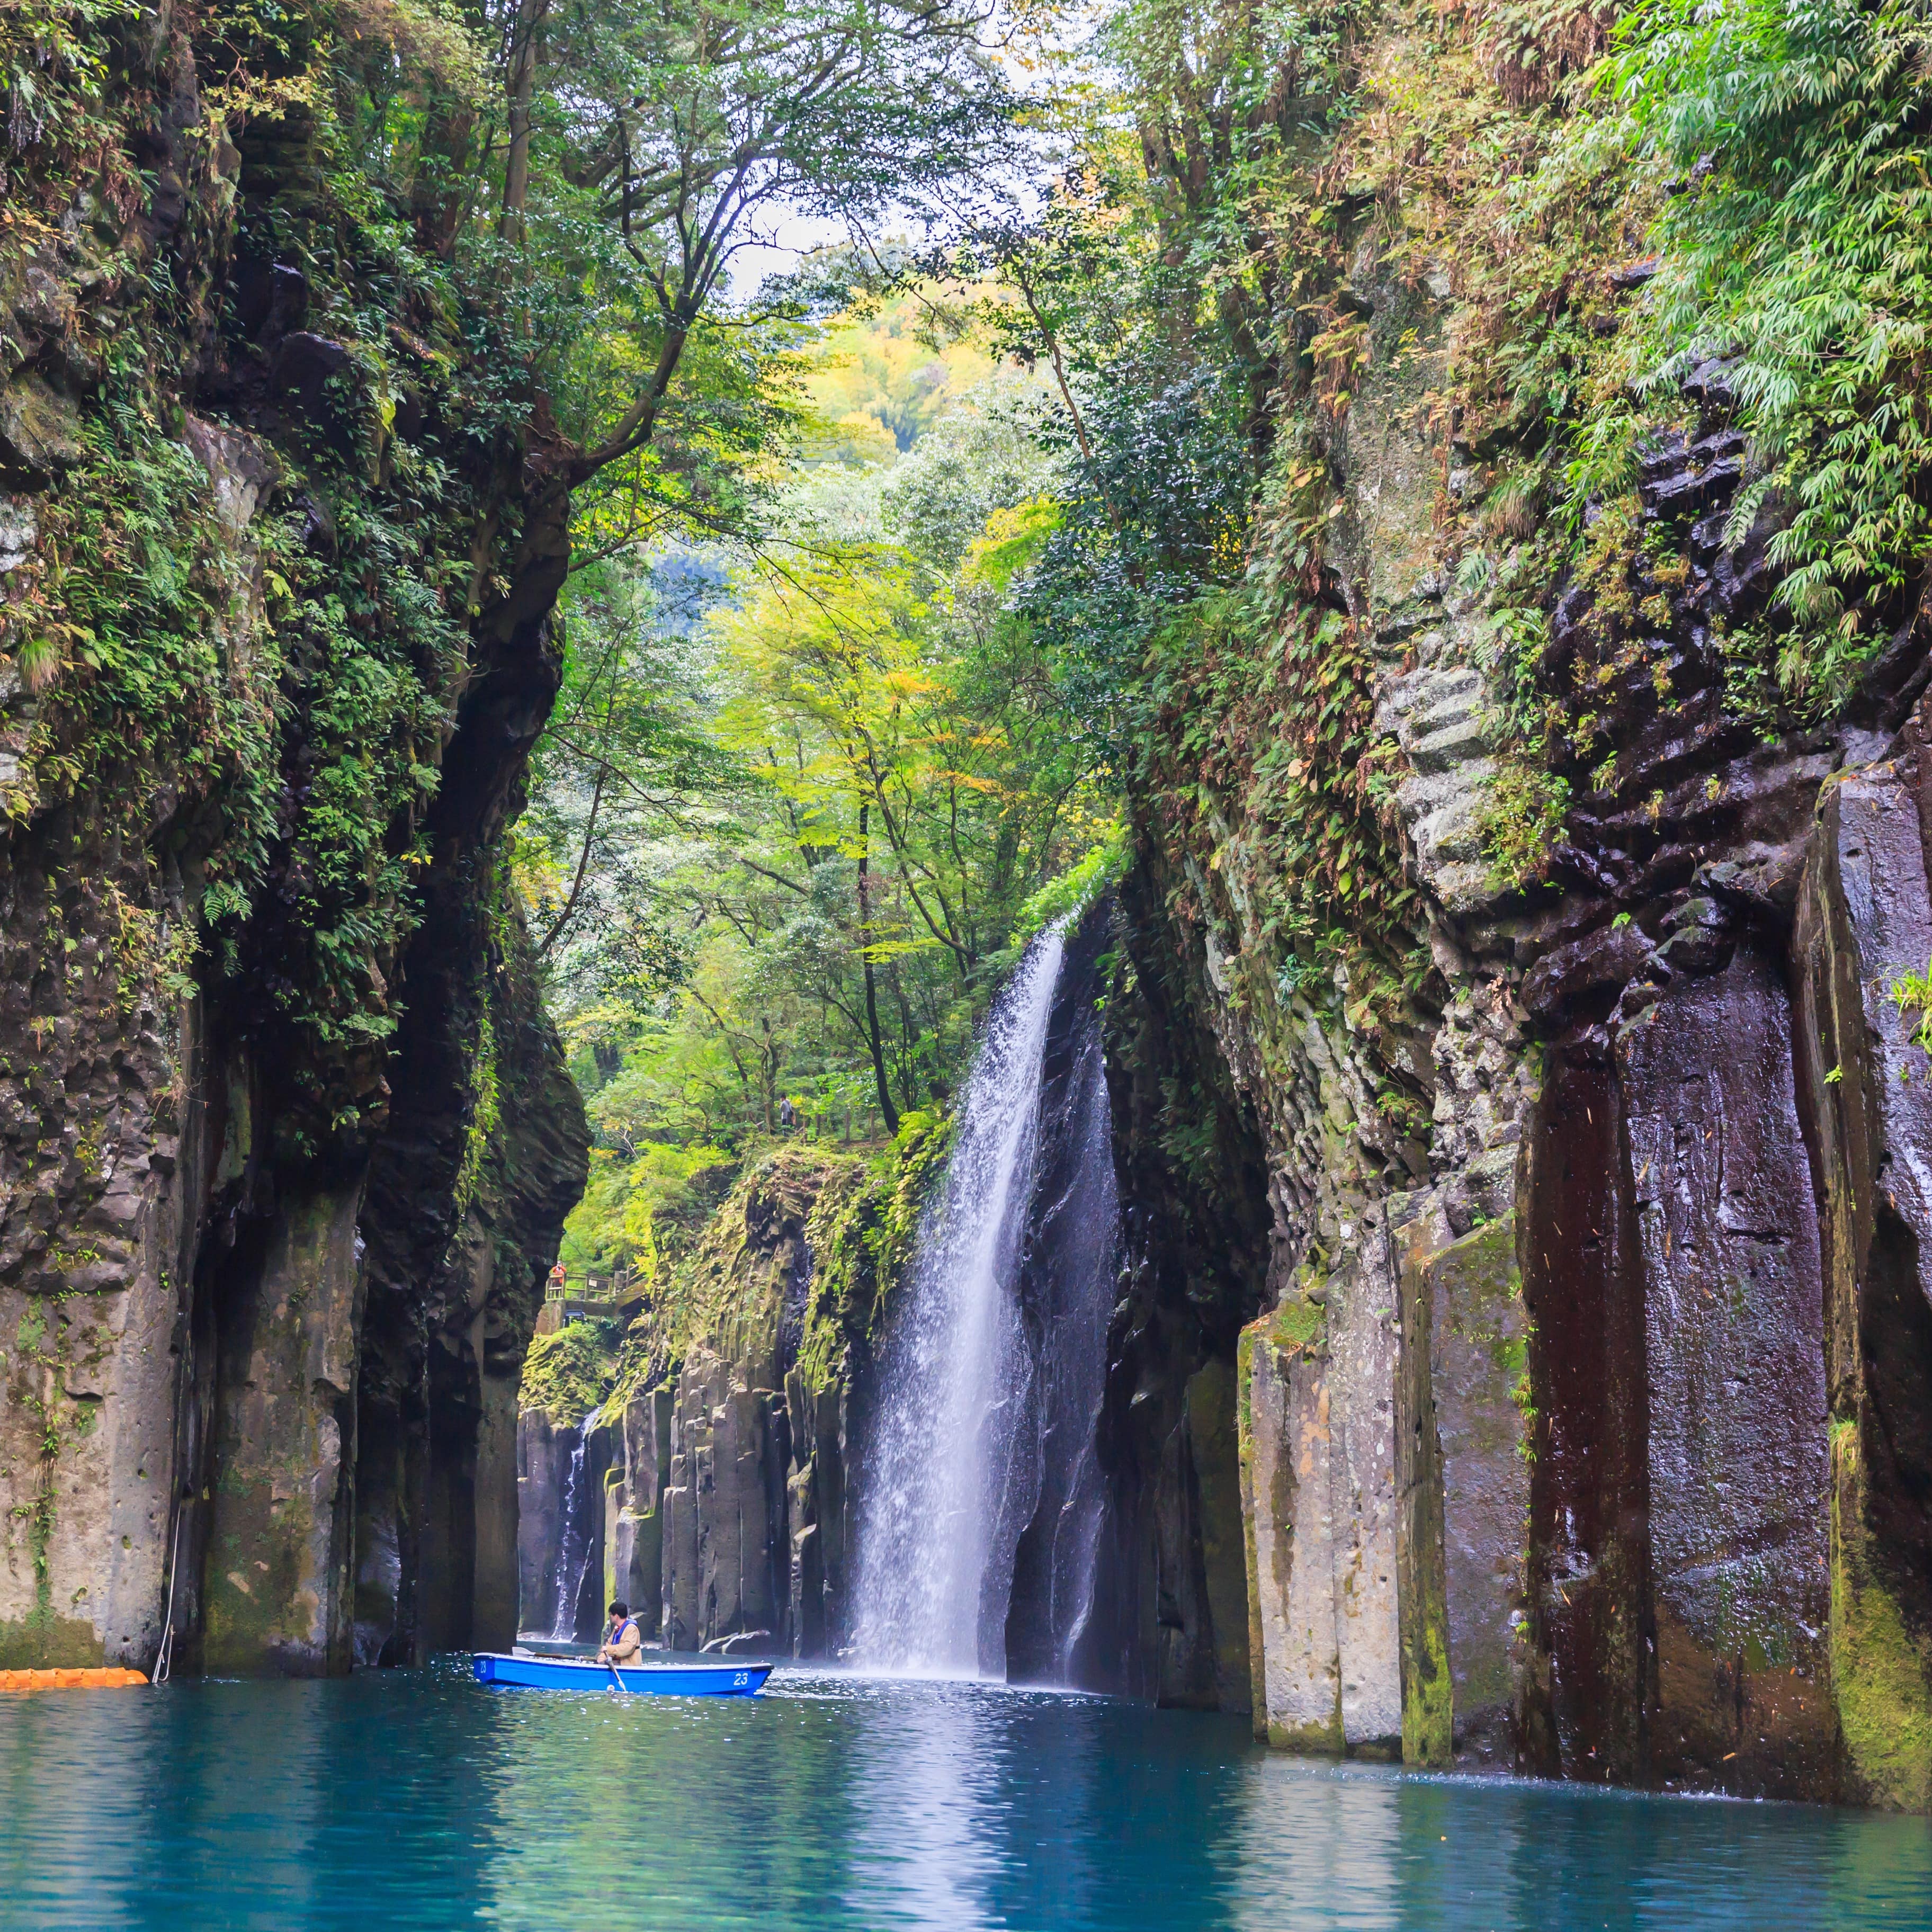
[286,1140]
[731,1400]
[1575,1130]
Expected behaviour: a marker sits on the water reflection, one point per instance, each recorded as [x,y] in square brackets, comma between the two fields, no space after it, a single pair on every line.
[1350,1846]
[138,1809]
[990,1806]
[1327,1846]
[925,1785]
[838,1804]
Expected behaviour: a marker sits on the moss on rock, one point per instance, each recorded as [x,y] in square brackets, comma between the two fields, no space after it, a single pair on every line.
[1881,1669]
[568,1373]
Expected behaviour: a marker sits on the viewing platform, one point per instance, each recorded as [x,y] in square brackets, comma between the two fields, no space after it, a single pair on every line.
[620,1297]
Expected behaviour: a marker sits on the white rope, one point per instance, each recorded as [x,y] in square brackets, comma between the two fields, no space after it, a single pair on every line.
[164,1656]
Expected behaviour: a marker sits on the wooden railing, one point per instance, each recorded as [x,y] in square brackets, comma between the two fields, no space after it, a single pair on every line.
[611,1288]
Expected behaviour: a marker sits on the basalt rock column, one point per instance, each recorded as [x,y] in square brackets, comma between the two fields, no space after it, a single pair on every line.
[729,1566]
[736,1476]
[544,1450]
[1864,916]
[1727,1244]
[1589,1493]
[634,1536]
[1463,1475]
[248,882]
[280,1522]
[1321,1501]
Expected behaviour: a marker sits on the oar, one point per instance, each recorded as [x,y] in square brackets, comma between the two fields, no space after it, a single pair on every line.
[616,1675]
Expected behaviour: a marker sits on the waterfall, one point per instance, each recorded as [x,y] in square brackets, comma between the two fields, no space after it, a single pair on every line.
[980,1511]
[573,1542]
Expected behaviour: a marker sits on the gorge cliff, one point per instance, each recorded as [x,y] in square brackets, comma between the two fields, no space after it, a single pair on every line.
[1550,1234]
[1510,969]
[1522,1353]
[288,1139]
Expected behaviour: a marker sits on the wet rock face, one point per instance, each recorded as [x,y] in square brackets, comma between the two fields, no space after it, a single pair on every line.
[1593,1438]
[1463,1475]
[543,1448]
[1589,1498]
[1319,1436]
[1863,913]
[1170,1621]
[1047,1541]
[1727,1242]
[726,1509]
[277,1581]
[634,1523]
[1678,1499]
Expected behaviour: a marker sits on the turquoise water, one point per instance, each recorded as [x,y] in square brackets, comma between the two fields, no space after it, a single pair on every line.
[397,1799]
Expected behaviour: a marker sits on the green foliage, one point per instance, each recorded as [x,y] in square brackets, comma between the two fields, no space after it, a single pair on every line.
[789,825]
[1260,748]
[1521,821]
[1300,1326]
[1912,992]
[1803,251]
[661,139]
[135,629]
[1068,896]
[861,1232]
[1769,158]
[643,1212]
[279,686]
[567,1373]
[54,60]
[485,1108]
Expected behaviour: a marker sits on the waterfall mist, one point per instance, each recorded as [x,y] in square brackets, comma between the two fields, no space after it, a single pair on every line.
[982,1507]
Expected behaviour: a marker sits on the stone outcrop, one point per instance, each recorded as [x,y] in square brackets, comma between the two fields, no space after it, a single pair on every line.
[1863,914]
[1585,1433]
[714,1502]
[726,1494]
[285,1141]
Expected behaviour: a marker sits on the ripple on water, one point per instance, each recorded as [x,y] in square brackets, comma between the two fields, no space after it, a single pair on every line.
[421,1799]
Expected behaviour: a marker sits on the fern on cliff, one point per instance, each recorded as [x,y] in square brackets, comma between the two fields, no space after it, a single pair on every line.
[1798,245]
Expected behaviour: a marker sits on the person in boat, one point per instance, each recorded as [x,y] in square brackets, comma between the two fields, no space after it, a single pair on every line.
[623,1641]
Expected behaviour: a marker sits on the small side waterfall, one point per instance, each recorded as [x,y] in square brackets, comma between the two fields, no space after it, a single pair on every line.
[574,1542]
[981,1507]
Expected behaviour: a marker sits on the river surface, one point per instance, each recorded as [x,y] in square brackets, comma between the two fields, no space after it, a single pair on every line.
[407,1799]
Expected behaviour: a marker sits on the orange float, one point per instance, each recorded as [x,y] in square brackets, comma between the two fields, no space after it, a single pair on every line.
[112,1677]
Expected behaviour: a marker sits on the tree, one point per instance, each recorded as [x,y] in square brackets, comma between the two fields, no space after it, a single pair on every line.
[649,145]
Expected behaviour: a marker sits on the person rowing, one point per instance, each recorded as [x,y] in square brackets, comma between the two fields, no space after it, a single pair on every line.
[623,1641]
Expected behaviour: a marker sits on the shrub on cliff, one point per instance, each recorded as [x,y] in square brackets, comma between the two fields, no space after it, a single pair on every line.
[567,1373]
[1796,243]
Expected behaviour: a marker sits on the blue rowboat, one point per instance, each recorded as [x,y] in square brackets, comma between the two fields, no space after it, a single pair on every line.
[656,1680]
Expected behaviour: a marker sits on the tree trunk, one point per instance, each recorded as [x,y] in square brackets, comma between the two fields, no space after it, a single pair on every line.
[872,1038]
[523,81]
